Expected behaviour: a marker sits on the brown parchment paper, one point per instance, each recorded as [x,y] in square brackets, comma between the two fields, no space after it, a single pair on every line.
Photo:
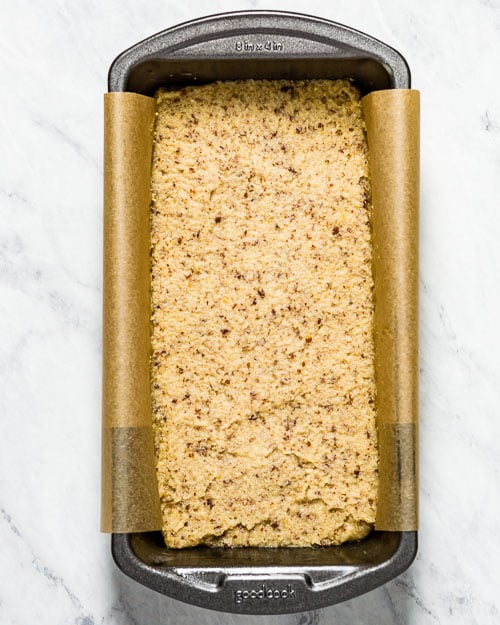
[130,501]
[393,127]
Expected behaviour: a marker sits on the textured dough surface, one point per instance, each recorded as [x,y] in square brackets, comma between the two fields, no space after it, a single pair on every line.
[262,350]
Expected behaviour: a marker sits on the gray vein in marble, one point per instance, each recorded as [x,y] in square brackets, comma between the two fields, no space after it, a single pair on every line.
[56,299]
[48,574]
[489,124]
[75,145]
[392,607]
[8,519]
[407,585]
[491,4]
[455,343]
[122,606]
[15,196]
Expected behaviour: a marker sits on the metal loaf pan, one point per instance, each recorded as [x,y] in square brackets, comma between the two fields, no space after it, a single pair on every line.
[273,45]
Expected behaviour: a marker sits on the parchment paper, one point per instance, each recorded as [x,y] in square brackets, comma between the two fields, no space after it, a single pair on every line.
[393,126]
[130,501]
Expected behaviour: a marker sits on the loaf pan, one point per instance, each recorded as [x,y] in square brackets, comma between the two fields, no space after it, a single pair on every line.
[272,45]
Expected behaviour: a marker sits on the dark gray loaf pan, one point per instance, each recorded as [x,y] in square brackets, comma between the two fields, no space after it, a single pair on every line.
[261,44]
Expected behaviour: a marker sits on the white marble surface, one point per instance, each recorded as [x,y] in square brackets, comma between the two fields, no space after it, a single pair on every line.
[55,567]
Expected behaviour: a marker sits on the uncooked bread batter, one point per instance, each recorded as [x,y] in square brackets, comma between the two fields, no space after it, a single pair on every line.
[262,349]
